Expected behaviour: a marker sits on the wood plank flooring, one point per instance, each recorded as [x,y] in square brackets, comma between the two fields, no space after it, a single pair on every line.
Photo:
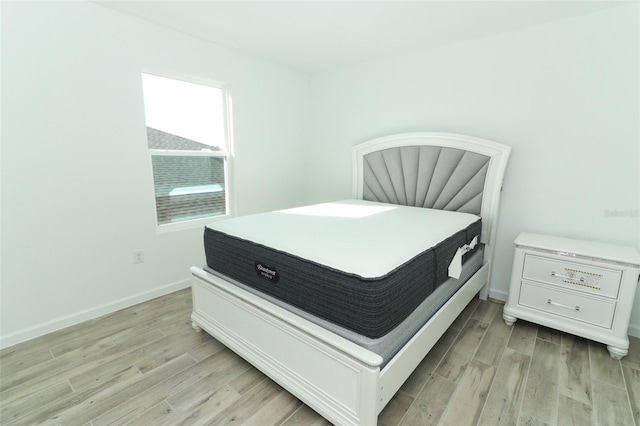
[145,365]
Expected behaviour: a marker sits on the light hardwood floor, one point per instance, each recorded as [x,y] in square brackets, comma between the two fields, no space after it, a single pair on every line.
[145,365]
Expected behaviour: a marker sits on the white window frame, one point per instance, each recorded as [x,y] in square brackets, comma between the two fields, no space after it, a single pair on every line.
[227,155]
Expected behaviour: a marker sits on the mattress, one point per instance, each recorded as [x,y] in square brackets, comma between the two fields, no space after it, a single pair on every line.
[361,265]
[386,346]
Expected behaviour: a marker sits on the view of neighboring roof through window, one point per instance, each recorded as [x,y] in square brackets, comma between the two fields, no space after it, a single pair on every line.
[186,136]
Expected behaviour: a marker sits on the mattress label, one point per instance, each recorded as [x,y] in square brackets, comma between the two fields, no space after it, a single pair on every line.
[267,272]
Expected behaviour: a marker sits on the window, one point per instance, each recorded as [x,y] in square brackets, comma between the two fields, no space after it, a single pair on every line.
[187,128]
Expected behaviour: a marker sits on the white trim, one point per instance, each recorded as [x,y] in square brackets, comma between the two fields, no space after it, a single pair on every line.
[229,170]
[227,153]
[88,314]
[187,78]
[185,153]
[500,295]
[189,224]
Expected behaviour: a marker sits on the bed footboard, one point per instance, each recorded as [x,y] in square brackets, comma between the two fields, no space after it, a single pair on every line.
[335,377]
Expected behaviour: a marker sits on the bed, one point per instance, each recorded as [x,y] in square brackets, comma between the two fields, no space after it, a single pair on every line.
[339,359]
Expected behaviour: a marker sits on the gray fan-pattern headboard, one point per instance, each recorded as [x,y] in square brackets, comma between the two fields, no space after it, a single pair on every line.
[435,170]
[426,176]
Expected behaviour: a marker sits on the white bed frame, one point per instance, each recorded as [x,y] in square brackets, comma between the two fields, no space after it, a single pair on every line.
[339,379]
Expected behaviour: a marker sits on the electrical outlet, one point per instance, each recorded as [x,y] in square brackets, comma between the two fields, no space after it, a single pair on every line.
[138,256]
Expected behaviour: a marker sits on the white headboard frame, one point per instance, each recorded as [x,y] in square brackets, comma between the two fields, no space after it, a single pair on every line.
[498,156]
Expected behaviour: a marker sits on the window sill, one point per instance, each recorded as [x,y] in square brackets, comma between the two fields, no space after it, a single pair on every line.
[189,224]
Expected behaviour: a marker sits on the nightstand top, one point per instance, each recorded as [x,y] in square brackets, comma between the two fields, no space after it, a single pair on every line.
[569,247]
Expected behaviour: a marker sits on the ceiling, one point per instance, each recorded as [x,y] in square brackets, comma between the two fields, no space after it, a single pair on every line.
[313,36]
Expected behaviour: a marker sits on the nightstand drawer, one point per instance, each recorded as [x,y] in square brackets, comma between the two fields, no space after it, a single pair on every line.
[567,304]
[576,276]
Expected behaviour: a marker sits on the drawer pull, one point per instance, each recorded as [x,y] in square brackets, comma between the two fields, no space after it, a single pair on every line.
[573,308]
[573,278]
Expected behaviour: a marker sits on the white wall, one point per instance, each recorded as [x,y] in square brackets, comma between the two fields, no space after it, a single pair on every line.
[77,194]
[77,190]
[564,95]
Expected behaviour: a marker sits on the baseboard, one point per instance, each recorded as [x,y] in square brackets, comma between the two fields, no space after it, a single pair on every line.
[69,320]
[88,314]
[498,295]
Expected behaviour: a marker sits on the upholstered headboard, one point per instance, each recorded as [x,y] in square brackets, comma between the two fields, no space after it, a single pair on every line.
[435,170]
[426,176]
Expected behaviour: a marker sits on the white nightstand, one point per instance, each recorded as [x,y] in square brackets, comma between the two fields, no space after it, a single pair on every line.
[579,287]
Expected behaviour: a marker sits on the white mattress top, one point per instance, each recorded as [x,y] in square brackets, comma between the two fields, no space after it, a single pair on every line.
[365,238]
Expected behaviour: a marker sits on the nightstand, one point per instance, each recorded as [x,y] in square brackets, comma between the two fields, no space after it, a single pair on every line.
[579,287]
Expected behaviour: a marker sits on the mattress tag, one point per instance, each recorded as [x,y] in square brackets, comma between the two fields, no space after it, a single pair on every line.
[472,244]
[455,267]
[267,272]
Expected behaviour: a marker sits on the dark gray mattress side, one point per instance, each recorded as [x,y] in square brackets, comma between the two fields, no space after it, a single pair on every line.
[370,307]
[386,346]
